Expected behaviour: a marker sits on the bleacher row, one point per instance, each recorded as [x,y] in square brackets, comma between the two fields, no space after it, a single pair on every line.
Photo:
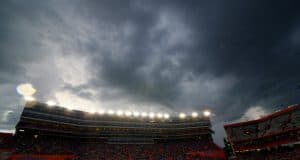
[280,153]
[266,126]
[94,149]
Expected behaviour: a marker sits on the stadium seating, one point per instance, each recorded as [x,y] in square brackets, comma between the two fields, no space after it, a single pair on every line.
[273,137]
[48,133]
[279,153]
[93,149]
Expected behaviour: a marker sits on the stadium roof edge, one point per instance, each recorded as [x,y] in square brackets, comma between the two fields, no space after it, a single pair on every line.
[171,115]
[272,115]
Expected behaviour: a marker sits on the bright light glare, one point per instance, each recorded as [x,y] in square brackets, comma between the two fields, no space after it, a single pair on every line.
[136,114]
[194,114]
[29,98]
[182,115]
[206,113]
[92,111]
[166,116]
[151,115]
[128,113]
[111,112]
[120,112]
[144,114]
[50,103]
[26,89]
[101,111]
[69,108]
[159,115]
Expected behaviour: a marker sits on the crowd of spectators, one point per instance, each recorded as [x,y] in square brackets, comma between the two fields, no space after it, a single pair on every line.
[96,149]
[290,152]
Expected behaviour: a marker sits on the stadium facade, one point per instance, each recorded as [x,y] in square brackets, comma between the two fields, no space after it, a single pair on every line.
[53,132]
[275,136]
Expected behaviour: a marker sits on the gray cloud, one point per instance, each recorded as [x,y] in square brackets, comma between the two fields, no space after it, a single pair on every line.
[153,55]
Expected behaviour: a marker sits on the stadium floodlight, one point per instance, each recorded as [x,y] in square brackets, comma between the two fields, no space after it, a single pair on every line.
[50,103]
[182,115]
[194,114]
[159,115]
[144,114]
[166,116]
[120,112]
[136,114]
[29,98]
[111,112]
[92,111]
[151,115]
[26,89]
[206,113]
[101,111]
[128,113]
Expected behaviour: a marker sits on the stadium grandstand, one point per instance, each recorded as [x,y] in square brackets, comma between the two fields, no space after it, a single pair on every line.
[46,131]
[272,137]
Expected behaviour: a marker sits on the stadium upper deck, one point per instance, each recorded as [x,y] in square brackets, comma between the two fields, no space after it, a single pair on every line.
[281,127]
[42,118]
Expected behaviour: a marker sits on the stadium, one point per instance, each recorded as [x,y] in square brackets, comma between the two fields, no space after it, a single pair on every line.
[52,132]
[149,80]
[275,136]
[47,131]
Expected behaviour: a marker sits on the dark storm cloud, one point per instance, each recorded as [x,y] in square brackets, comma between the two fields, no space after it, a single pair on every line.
[225,55]
[252,41]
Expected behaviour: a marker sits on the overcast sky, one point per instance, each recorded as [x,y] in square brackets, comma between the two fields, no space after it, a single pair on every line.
[238,58]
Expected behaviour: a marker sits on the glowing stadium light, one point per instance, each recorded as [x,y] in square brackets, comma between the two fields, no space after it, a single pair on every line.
[194,114]
[206,113]
[26,89]
[92,111]
[159,115]
[151,115]
[50,103]
[144,114]
[120,112]
[101,111]
[182,115]
[29,98]
[128,113]
[136,114]
[166,116]
[111,112]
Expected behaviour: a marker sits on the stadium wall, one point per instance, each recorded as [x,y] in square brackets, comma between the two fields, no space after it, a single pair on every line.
[281,127]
